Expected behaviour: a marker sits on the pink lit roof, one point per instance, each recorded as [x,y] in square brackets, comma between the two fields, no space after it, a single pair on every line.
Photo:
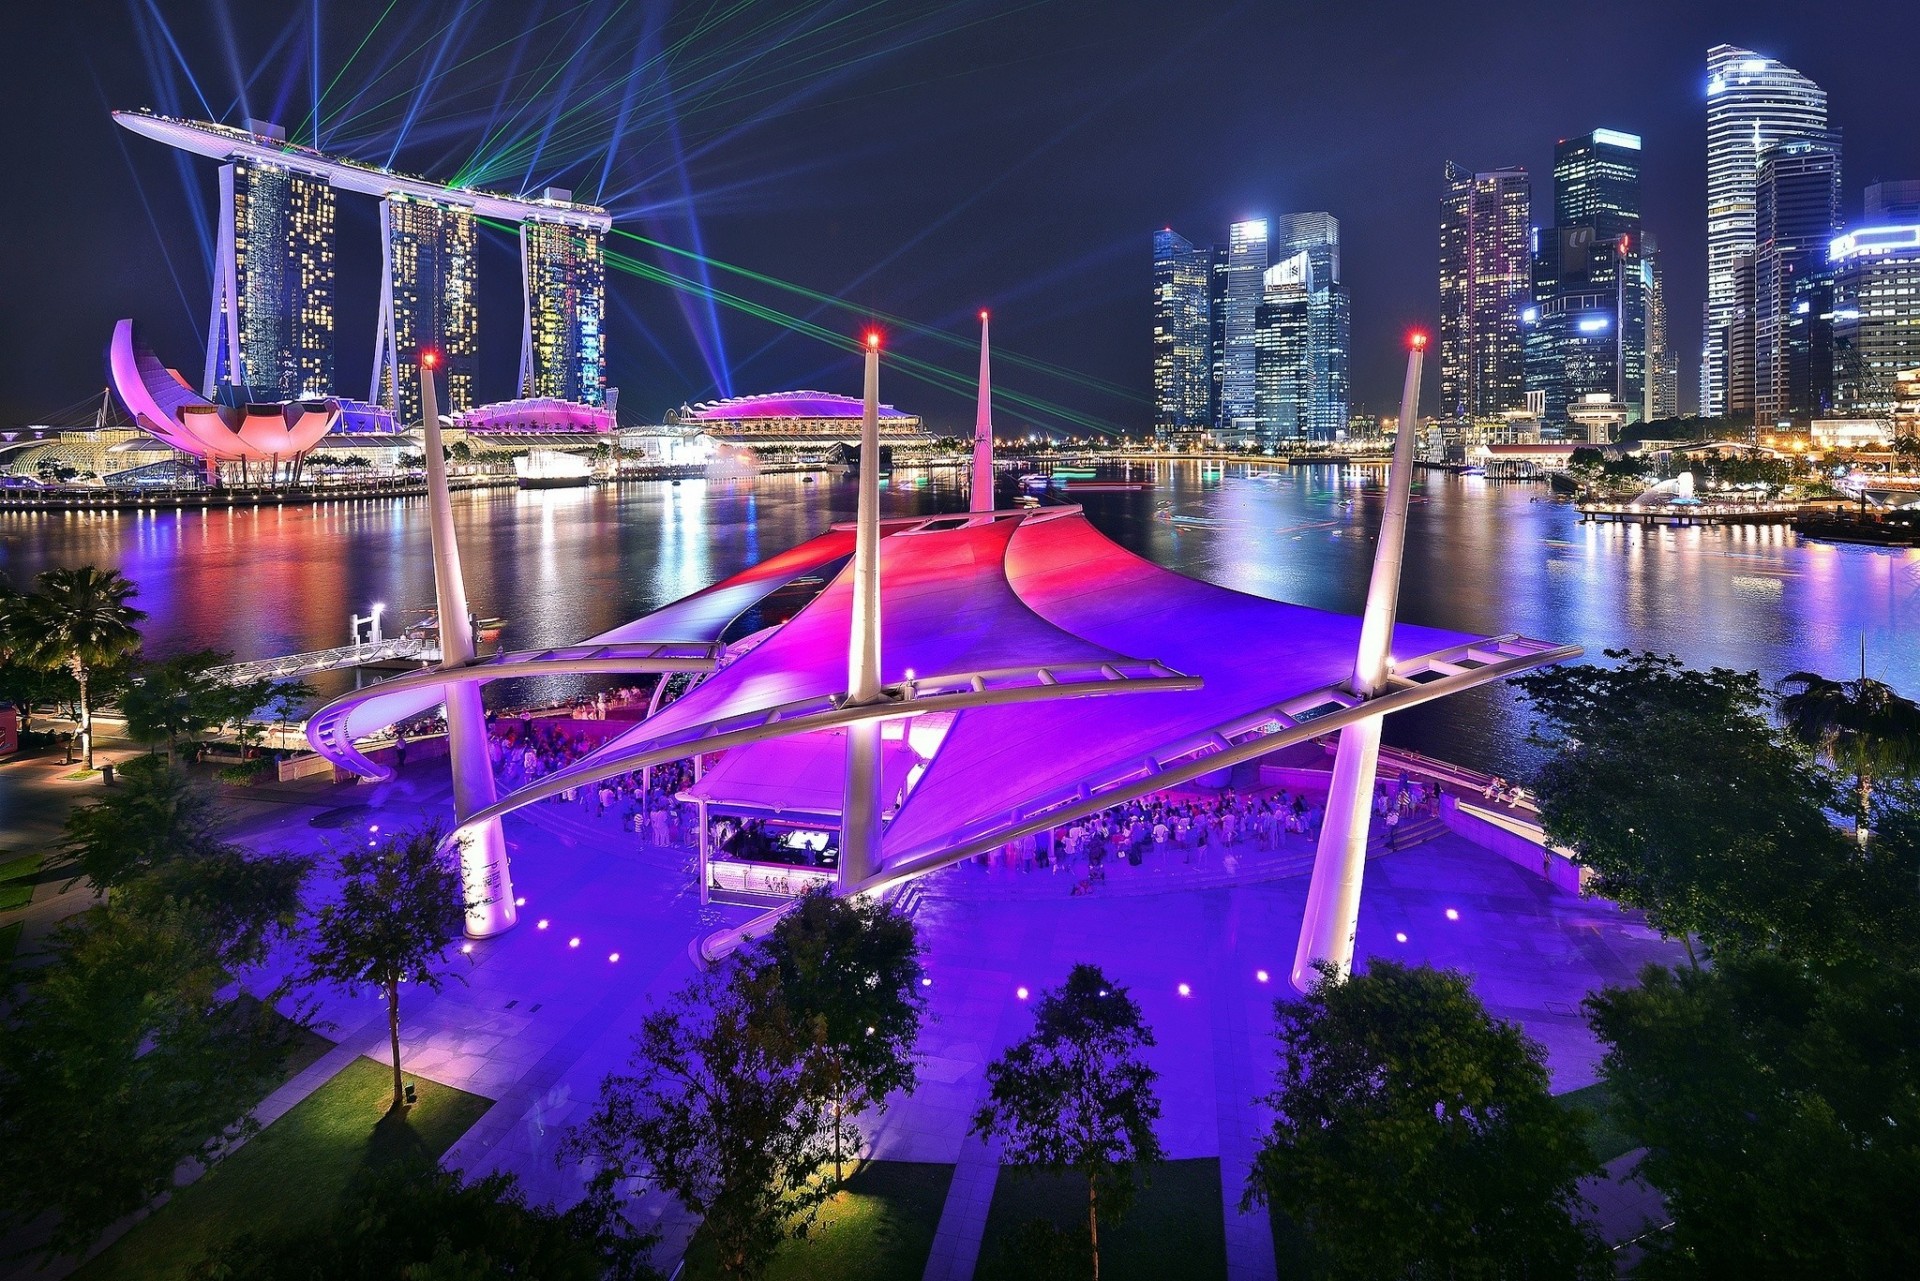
[786,404]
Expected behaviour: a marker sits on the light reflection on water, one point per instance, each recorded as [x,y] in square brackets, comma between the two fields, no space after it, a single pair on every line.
[1481,556]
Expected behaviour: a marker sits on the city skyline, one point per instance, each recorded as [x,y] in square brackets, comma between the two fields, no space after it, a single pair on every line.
[787,201]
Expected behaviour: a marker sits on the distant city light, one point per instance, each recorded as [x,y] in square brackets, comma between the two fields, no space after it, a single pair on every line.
[521,901]
[1020,992]
[1184,990]
[1453,914]
[574,941]
[926,982]
[613,956]
[1400,937]
[542,924]
[1260,976]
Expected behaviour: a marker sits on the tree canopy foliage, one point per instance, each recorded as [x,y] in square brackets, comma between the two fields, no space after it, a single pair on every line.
[1686,800]
[1415,1135]
[1077,1094]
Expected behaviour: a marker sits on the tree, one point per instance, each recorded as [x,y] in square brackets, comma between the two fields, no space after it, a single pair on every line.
[178,698]
[1077,1095]
[1861,726]
[1687,802]
[79,619]
[849,972]
[1415,1135]
[401,906]
[721,1109]
[406,1217]
[127,1053]
[1780,1108]
[153,842]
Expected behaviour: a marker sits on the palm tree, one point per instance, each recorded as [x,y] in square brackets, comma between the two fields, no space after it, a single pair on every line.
[79,619]
[1861,726]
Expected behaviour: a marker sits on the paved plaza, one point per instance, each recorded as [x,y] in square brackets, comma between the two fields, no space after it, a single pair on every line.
[543,1014]
[541,1018]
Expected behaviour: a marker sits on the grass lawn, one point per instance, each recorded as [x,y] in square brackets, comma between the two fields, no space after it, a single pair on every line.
[1175,1230]
[877,1228]
[292,1173]
[1607,1139]
[17,881]
[9,940]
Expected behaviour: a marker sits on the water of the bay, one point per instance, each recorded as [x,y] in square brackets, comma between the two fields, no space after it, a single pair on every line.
[1481,557]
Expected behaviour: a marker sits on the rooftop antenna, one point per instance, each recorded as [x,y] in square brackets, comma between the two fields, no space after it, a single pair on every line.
[1340,861]
[982,500]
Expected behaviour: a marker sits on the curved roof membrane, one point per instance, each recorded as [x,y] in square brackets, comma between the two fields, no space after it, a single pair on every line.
[786,404]
[1068,668]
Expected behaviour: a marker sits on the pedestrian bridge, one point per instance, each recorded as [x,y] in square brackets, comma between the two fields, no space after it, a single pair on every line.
[289,666]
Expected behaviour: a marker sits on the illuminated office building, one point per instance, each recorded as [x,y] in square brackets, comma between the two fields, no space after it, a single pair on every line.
[1662,398]
[427,299]
[1246,268]
[563,344]
[1754,104]
[1484,286]
[1876,317]
[1283,370]
[270,334]
[1585,331]
[1182,362]
[1303,335]
[1796,215]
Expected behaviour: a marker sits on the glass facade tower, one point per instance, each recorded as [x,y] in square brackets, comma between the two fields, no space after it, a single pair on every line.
[1586,332]
[1876,316]
[1303,334]
[1246,267]
[427,299]
[1182,357]
[563,349]
[270,335]
[1754,104]
[1484,285]
[1796,207]
[1663,362]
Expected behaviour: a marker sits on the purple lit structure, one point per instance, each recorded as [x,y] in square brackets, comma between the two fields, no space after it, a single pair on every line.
[1027,671]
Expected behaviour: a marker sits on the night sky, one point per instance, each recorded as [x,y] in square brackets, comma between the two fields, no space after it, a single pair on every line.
[915,158]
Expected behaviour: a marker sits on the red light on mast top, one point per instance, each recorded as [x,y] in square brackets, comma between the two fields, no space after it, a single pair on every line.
[429,358]
[873,340]
[1417,340]
[983,313]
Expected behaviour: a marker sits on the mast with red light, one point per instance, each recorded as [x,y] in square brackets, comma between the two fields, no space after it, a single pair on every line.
[982,497]
[1340,861]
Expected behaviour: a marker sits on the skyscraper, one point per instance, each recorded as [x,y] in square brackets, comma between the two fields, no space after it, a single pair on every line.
[1247,264]
[1876,316]
[1484,284]
[270,334]
[1283,345]
[1315,234]
[1662,398]
[1753,104]
[1796,214]
[427,299]
[1182,363]
[1217,277]
[563,349]
[1586,328]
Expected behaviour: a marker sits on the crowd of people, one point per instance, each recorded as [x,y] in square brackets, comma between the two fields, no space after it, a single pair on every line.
[1192,828]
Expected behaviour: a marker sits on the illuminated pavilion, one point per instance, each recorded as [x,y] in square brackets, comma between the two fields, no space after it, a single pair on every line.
[1023,670]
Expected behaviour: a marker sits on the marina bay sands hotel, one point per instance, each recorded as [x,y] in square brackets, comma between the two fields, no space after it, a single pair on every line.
[270,329]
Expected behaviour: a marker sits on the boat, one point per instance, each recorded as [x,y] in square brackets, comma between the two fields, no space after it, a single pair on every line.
[551,469]
[1035,480]
[1107,486]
